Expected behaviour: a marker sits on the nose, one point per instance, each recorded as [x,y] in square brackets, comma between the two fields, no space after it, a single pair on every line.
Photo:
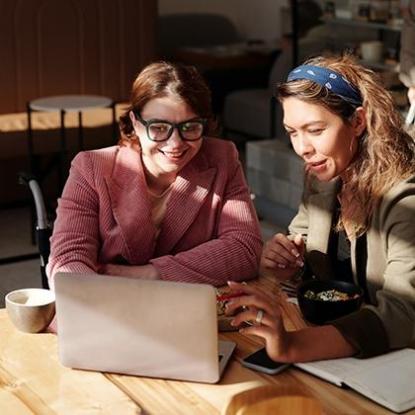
[175,140]
[302,145]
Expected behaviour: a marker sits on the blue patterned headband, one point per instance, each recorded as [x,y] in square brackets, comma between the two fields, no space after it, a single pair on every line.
[333,81]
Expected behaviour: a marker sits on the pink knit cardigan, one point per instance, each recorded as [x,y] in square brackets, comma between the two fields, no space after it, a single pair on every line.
[210,232]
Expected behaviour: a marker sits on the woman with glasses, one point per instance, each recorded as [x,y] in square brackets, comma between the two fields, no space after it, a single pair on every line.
[169,202]
[357,218]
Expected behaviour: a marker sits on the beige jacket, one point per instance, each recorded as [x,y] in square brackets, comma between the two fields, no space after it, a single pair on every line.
[407,56]
[387,253]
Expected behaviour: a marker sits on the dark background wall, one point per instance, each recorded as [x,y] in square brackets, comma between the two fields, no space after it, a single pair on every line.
[51,47]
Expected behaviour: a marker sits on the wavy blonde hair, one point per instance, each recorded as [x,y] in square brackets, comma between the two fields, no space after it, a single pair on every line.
[386,153]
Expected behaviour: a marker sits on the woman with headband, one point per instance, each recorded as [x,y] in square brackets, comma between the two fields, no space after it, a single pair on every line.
[356,221]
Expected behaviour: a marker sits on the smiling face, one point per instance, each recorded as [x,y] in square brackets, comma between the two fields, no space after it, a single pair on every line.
[324,140]
[163,160]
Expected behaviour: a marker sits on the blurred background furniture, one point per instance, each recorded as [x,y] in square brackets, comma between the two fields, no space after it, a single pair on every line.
[368,30]
[64,104]
[180,30]
[61,104]
[227,68]
[59,47]
[252,112]
[226,59]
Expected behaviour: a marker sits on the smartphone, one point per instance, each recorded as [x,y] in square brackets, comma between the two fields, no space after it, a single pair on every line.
[261,362]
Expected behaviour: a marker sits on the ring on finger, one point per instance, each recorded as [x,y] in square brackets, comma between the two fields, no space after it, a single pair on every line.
[259,317]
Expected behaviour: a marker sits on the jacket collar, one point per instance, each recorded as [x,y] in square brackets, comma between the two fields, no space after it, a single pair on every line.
[131,205]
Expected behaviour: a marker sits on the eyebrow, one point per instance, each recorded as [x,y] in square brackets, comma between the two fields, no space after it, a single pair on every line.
[171,122]
[307,124]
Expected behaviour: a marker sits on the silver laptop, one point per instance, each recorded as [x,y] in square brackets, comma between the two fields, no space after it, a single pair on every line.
[148,328]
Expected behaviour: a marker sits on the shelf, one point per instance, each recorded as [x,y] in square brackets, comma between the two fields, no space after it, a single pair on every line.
[361,23]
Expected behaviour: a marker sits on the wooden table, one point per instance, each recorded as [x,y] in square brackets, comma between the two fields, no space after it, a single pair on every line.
[32,381]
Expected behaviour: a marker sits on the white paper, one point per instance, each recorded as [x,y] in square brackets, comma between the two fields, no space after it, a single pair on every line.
[388,379]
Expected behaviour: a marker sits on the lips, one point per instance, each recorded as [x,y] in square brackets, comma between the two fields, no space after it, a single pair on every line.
[316,165]
[173,155]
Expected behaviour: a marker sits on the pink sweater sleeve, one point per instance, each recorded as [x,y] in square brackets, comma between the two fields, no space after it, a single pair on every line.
[75,239]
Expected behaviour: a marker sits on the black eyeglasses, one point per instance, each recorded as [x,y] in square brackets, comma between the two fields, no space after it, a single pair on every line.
[161,130]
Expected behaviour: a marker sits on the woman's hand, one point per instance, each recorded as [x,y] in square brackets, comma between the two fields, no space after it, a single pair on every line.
[264,313]
[145,272]
[282,256]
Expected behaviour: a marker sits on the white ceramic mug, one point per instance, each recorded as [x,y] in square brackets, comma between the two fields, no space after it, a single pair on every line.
[31,309]
[372,51]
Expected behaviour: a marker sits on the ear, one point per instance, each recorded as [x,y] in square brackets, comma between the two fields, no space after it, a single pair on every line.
[132,118]
[359,121]
[134,121]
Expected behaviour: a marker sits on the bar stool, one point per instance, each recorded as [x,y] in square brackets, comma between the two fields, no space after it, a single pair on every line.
[64,104]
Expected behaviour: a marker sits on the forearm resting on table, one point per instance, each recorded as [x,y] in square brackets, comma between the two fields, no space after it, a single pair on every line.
[317,343]
[147,271]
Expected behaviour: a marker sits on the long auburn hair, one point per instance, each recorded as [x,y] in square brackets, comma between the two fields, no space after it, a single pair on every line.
[161,79]
[386,153]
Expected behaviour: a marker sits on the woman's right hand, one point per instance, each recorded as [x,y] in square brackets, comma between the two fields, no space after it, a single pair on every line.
[282,256]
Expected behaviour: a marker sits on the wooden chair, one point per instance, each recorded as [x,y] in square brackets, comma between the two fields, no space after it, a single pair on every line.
[272,399]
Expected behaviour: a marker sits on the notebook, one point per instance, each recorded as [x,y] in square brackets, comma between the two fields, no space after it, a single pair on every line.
[137,327]
[387,379]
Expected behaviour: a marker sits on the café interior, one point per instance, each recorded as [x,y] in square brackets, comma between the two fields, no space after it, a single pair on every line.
[81,49]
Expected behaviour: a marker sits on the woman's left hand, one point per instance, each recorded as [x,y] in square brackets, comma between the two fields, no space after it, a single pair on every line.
[264,313]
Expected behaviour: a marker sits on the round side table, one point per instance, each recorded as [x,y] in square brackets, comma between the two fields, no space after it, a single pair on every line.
[64,104]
